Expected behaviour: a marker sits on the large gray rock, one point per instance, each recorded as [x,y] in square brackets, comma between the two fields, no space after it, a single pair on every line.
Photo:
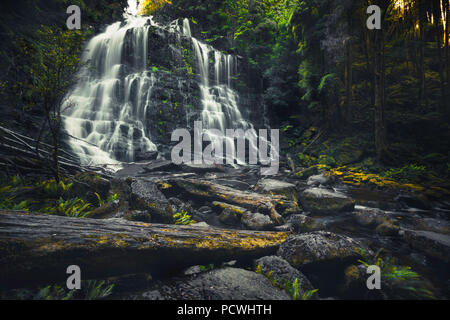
[146,196]
[282,271]
[432,244]
[256,221]
[272,186]
[223,284]
[317,180]
[323,201]
[318,247]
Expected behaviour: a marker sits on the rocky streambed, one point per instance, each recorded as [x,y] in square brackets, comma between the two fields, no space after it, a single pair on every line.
[313,236]
[331,226]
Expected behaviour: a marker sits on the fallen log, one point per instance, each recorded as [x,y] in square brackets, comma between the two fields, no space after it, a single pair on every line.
[37,249]
[255,202]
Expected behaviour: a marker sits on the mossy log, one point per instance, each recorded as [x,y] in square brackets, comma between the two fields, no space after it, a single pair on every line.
[271,205]
[37,249]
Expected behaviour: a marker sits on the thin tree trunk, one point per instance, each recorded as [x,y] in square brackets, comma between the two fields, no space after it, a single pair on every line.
[380,125]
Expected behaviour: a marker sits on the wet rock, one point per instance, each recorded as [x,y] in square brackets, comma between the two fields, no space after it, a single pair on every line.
[387,228]
[302,223]
[223,284]
[108,210]
[419,202]
[146,196]
[256,221]
[202,168]
[161,165]
[272,186]
[366,216]
[317,180]
[229,217]
[137,215]
[434,225]
[322,201]
[318,247]
[282,271]
[146,156]
[432,244]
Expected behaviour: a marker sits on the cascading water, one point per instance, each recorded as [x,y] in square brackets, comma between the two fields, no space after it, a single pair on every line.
[106,109]
[106,112]
[220,101]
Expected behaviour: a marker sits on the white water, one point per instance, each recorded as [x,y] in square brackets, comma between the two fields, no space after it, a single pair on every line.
[106,111]
[219,100]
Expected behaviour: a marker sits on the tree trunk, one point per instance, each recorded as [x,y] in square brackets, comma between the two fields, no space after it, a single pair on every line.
[380,123]
[37,249]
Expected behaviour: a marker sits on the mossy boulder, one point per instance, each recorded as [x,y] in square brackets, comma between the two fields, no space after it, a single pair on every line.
[281,271]
[318,247]
[256,221]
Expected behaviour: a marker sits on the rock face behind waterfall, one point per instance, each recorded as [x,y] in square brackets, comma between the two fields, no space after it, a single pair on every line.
[142,81]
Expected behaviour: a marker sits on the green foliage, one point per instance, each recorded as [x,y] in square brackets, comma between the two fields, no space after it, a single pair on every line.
[207,268]
[293,289]
[52,188]
[111,198]
[407,173]
[183,218]
[75,208]
[90,290]
[397,282]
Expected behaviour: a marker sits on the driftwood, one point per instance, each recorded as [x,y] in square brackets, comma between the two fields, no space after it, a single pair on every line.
[37,249]
[255,202]
[20,155]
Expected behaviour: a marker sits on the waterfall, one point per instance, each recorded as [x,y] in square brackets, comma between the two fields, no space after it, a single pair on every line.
[106,111]
[219,100]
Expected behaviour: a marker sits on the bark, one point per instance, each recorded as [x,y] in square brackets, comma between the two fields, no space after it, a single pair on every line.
[255,202]
[379,82]
[37,249]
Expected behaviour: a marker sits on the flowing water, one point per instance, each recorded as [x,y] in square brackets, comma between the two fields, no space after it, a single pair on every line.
[106,112]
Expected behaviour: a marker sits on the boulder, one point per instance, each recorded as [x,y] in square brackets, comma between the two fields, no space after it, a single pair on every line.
[432,244]
[318,247]
[323,201]
[161,165]
[145,196]
[221,284]
[272,186]
[302,223]
[317,180]
[281,271]
[229,217]
[256,221]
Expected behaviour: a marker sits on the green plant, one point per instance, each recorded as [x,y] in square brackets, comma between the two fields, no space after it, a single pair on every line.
[410,172]
[206,268]
[292,289]
[183,218]
[54,292]
[111,198]
[397,282]
[97,289]
[90,290]
[75,208]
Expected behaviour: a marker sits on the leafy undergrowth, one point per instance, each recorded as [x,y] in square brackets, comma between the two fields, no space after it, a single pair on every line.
[47,196]
[90,290]
[293,289]
[397,281]
[183,218]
